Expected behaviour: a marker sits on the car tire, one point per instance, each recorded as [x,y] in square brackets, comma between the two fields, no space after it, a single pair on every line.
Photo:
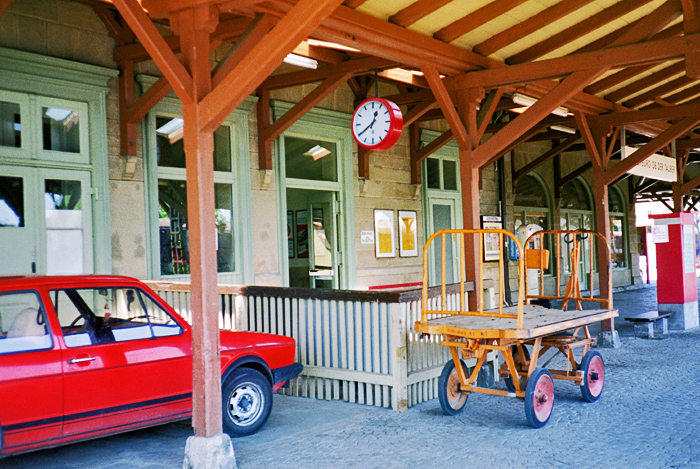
[246,402]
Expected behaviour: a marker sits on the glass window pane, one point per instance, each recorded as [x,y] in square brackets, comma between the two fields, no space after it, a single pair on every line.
[61,129]
[575,196]
[22,323]
[11,201]
[530,193]
[64,227]
[171,150]
[442,220]
[615,203]
[433,169]
[174,237]
[222,149]
[310,159]
[618,241]
[172,222]
[449,174]
[10,125]
[224,228]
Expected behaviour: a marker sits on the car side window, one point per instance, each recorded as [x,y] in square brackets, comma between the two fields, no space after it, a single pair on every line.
[103,315]
[23,325]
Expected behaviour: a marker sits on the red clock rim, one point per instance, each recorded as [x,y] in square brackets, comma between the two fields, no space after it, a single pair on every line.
[395,126]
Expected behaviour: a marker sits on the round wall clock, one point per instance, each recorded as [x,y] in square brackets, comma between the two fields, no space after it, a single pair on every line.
[377,124]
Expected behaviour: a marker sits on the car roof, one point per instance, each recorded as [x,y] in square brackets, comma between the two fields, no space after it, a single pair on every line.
[73,281]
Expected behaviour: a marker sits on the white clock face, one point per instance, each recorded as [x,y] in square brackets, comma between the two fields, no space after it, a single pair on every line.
[371,123]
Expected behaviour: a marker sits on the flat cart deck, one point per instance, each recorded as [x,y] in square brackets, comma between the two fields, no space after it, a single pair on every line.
[522,333]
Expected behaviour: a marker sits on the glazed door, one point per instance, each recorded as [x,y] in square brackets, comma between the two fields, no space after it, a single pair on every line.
[443,217]
[323,246]
[45,221]
[18,220]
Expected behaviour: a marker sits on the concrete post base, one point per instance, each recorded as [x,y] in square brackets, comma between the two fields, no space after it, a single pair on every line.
[685,315]
[215,452]
[609,339]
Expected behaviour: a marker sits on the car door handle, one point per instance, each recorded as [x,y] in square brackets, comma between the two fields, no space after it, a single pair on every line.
[81,360]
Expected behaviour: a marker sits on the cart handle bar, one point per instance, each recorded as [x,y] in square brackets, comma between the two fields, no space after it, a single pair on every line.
[480,234]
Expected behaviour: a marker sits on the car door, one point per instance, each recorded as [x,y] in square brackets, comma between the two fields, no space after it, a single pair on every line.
[31,387]
[127,363]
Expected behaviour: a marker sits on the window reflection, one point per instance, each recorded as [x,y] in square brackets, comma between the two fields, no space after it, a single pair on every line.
[61,129]
[10,125]
[11,201]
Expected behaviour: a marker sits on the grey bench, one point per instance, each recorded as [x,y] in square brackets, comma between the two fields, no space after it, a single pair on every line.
[650,325]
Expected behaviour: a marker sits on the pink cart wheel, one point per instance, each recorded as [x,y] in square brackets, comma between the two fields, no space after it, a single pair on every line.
[593,376]
[539,398]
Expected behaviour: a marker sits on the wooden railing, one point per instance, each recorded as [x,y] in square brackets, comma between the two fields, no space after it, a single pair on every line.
[356,346]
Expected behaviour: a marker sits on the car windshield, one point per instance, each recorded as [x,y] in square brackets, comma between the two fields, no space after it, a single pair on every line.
[112,314]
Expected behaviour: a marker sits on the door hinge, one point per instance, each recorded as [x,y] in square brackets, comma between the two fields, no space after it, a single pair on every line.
[95,191]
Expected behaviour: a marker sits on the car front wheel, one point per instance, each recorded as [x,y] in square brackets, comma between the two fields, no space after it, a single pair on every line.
[247,402]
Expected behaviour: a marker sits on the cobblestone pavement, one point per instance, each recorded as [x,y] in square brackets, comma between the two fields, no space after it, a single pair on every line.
[647,417]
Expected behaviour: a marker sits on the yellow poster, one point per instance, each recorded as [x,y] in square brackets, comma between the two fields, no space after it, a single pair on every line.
[384,233]
[407,234]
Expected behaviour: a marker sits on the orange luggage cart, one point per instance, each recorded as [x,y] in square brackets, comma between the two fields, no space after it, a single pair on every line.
[522,333]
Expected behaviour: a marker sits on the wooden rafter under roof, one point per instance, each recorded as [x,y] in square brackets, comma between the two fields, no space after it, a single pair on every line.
[650,49]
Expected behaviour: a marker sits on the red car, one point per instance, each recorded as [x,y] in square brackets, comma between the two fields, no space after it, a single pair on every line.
[88,356]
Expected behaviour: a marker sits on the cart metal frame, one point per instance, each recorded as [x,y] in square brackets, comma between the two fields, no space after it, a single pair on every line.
[510,329]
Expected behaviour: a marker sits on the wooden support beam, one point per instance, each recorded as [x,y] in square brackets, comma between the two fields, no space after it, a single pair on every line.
[4,5]
[602,224]
[645,115]
[568,87]
[592,139]
[653,146]
[687,187]
[121,35]
[263,59]
[270,132]
[127,129]
[475,19]
[529,26]
[413,147]
[616,57]
[418,111]
[555,41]
[644,83]
[150,98]
[575,173]
[157,48]
[471,206]
[415,11]
[448,108]
[555,151]
[303,77]
[488,107]
[658,91]
[691,24]
[194,27]
[363,162]
[264,120]
[661,199]
[258,29]
[433,146]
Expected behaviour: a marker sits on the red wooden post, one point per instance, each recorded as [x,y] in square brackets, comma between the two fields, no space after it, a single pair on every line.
[194,27]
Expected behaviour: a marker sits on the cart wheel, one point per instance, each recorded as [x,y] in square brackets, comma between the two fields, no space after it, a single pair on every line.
[593,376]
[539,398]
[452,399]
[518,363]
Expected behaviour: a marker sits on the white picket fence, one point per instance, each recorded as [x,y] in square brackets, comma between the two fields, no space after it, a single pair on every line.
[356,346]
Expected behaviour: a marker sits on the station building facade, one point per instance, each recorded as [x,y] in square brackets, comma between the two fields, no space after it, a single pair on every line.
[70,203]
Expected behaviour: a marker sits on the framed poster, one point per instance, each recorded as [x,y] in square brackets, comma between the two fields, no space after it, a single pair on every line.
[384,233]
[302,234]
[492,248]
[290,234]
[408,236]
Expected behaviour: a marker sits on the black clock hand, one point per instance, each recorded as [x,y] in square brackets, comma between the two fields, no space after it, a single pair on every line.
[370,125]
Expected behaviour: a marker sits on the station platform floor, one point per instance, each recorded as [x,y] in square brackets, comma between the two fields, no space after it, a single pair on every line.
[647,417]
